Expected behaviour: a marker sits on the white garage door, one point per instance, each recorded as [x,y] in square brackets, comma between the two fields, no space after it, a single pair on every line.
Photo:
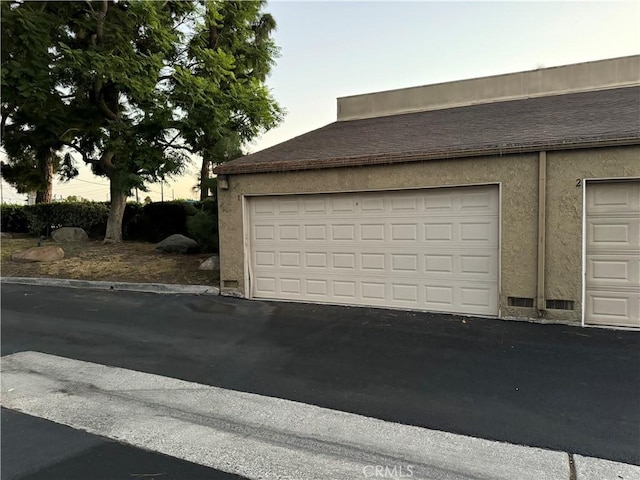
[612,293]
[421,249]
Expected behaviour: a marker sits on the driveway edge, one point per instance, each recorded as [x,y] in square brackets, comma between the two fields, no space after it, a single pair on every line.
[115,286]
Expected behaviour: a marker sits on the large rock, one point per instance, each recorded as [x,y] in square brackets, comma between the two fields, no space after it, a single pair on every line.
[49,253]
[69,234]
[211,263]
[177,243]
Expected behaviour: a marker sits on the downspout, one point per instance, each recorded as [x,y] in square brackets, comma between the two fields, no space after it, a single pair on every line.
[542,209]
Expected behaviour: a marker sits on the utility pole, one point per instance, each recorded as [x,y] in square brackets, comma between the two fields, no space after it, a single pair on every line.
[172,195]
[162,191]
[137,199]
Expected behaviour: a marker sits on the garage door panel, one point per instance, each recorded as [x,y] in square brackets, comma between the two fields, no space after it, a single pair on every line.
[611,308]
[344,289]
[405,292]
[344,260]
[265,285]
[619,270]
[478,229]
[404,232]
[478,202]
[615,231]
[475,296]
[380,249]
[314,206]
[372,232]
[612,277]
[476,264]
[607,197]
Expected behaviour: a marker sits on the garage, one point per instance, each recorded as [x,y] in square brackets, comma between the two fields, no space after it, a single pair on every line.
[500,196]
[426,249]
[612,290]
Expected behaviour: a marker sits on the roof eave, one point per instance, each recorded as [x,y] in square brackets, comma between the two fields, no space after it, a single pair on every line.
[385,159]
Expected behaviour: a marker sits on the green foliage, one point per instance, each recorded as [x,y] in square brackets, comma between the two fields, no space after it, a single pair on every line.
[142,222]
[133,85]
[232,42]
[45,217]
[13,218]
[203,226]
[156,221]
[75,199]
[33,122]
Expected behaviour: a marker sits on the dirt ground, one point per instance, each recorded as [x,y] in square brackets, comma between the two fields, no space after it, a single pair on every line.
[93,260]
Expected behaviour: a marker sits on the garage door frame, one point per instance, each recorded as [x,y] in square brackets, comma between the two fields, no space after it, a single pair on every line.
[246,225]
[585,182]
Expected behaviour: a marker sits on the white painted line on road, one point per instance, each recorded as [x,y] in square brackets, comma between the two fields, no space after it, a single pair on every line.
[252,435]
[588,468]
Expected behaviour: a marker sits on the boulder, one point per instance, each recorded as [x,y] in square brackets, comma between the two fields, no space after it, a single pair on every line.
[211,263]
[177,243]
[49,253]
[5,235]
[69,234]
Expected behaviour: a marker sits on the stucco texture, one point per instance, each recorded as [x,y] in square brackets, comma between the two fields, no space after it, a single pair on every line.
[516,173]
[518,177]
[565,211]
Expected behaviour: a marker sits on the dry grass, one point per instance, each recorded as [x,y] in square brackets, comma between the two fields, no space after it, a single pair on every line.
[93,260]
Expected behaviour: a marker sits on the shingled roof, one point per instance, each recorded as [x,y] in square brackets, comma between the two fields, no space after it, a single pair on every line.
[577,120]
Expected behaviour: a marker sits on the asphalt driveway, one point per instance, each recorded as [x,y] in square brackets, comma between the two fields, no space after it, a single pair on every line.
[552,386]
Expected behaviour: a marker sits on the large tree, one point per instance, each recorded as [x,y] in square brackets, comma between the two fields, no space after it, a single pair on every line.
[32,106]
[142,85]
[233,43]
[112,63]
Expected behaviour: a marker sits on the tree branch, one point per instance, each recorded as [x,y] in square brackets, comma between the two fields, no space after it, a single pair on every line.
[5,116]
[106,162]
[171,145]
[105,109]
[101,16]
[85,157]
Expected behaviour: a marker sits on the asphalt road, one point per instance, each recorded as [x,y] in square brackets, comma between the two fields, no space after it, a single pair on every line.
[35,449]
[551,386]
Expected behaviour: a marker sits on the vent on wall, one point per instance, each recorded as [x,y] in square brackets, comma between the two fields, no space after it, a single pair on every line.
[560,304]
[520,302]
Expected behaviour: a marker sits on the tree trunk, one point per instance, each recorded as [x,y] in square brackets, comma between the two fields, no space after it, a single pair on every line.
[46,195]
[204,176]
[116,213]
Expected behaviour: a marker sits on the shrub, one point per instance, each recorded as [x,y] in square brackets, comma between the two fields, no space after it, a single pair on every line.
[46,217]
[13,219]
[132,212]
[151,222]
[156,221]
[203,228]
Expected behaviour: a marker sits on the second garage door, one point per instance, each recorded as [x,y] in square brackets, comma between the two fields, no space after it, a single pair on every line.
[612,293]
[433,249]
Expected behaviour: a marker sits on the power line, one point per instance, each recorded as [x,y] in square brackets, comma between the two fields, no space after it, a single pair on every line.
[103,184]
[94,183]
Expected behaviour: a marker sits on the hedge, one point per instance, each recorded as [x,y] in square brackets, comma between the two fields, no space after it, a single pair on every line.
[149,223]
[13,219]
[45,217]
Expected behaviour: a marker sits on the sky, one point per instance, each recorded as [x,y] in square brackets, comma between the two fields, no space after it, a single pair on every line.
[335,49]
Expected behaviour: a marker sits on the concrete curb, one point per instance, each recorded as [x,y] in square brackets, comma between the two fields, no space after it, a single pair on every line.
[114,286]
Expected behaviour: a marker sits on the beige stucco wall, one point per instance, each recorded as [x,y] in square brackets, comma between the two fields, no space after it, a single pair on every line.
[518,176]
[579,77]
[564,215]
